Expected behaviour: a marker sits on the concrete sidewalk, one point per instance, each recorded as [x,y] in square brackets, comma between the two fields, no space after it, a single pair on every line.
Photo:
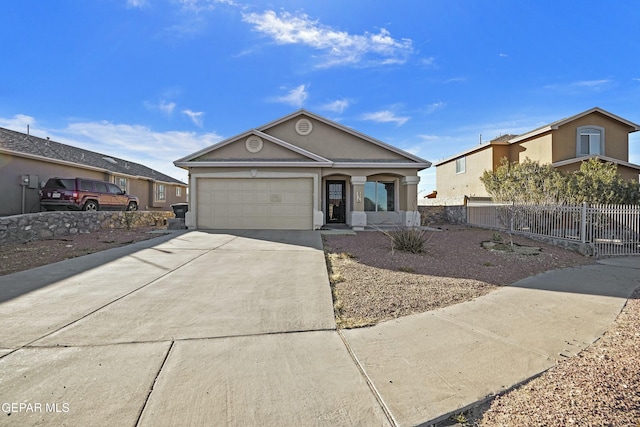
[237,328]
[430,365]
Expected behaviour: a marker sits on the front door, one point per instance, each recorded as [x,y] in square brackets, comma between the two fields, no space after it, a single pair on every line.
[336,202]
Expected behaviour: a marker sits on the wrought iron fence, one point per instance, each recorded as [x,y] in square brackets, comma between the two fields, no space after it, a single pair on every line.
[608,229]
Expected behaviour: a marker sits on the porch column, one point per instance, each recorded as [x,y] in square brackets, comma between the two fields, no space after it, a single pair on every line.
[411,216]
[358,216]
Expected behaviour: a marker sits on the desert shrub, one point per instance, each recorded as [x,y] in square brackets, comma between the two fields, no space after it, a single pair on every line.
[408,239]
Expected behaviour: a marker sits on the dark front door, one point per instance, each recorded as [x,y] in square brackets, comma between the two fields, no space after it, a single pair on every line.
[336,202]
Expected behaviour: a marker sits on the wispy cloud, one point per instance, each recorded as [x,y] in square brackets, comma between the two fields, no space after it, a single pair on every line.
[195,116]
[137,3]
[296,96]
[432,108]
[339,47]
[130,142]
[385,116]
[428,62]
[456,80]
[582,84]
[163,106]
[337,106]
[503,55]
[203,5]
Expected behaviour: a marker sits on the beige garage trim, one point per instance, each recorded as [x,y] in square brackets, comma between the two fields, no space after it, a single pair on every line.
[255,203]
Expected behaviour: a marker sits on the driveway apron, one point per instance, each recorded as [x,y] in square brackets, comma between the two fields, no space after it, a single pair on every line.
[197,328]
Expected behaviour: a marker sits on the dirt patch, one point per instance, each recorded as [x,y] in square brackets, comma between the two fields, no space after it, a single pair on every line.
[23,256]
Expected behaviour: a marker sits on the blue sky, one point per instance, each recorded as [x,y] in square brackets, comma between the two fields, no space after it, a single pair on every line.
[155,80]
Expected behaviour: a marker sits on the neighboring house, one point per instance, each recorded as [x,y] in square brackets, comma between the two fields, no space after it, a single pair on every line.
[565,144]
[26,162]
[301,171]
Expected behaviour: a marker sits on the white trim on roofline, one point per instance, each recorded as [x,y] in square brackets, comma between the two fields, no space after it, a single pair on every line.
[347,130]
[555,125]
[250,163]
[255,132]
[595,156]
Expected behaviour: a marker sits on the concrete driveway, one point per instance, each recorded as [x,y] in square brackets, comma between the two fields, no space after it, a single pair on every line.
[189,329]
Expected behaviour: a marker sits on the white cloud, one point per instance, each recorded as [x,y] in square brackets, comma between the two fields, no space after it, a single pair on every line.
[19,123]
[137,3]
[136,143]
[595,85]
[295,97]
[385,116]
[503,55]
[340,47]
[431,108]
[203,5]
[162,106]
[195,116]
[337,106]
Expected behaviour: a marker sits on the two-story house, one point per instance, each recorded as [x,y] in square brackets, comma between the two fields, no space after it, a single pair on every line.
[565,144]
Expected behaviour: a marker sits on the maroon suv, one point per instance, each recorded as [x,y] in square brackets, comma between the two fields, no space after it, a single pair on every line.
[85,194]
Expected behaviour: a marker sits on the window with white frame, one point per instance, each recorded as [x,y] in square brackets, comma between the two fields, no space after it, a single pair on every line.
[379,196]
[178,191]
[121,182]
[461,165]
[160,193]
[590,141]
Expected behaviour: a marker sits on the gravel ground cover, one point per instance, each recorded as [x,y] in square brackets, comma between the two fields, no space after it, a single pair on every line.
[598,387]
[23,256]
[372,283]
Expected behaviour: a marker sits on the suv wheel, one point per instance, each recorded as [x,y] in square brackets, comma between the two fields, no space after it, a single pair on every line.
[133,206]
[91,206]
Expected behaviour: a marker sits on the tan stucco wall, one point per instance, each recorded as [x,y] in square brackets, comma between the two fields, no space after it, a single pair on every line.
[13,167]
[452,184]
[616,137]
[329,142]
[238,150]
[537,149]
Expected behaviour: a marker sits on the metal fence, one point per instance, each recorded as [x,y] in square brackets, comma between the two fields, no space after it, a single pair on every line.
[607,229]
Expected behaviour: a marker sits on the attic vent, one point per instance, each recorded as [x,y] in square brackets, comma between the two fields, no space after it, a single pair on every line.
[108,159]
[304,127]
[254,144]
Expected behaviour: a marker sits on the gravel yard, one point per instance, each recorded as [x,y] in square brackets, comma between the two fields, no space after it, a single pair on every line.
[599,387]
[372,284]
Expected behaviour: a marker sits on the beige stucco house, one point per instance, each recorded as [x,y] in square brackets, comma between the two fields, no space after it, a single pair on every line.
[301,171]
[26,162]
[565,144]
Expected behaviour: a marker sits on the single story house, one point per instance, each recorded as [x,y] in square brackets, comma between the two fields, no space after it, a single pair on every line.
[301,171]
[27,162]
[565,144]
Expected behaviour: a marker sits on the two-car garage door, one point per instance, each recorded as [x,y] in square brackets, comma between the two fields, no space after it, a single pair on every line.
[255,203]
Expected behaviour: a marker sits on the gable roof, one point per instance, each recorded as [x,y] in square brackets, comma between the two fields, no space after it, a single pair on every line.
[555,125]
[312,158]
[546,128]
[315,160]
[596,156]
[24,145]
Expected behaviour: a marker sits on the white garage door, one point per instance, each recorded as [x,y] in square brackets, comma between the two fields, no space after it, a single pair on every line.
[255,203]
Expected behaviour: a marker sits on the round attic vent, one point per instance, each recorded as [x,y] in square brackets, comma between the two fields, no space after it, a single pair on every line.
[304,127]
[254,144]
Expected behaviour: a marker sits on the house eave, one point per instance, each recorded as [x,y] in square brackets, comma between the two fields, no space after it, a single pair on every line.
[603,158]
[253,164]
[385,165]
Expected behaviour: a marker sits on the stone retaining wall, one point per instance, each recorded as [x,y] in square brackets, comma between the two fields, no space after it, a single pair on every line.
[434,215]
[47,225]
